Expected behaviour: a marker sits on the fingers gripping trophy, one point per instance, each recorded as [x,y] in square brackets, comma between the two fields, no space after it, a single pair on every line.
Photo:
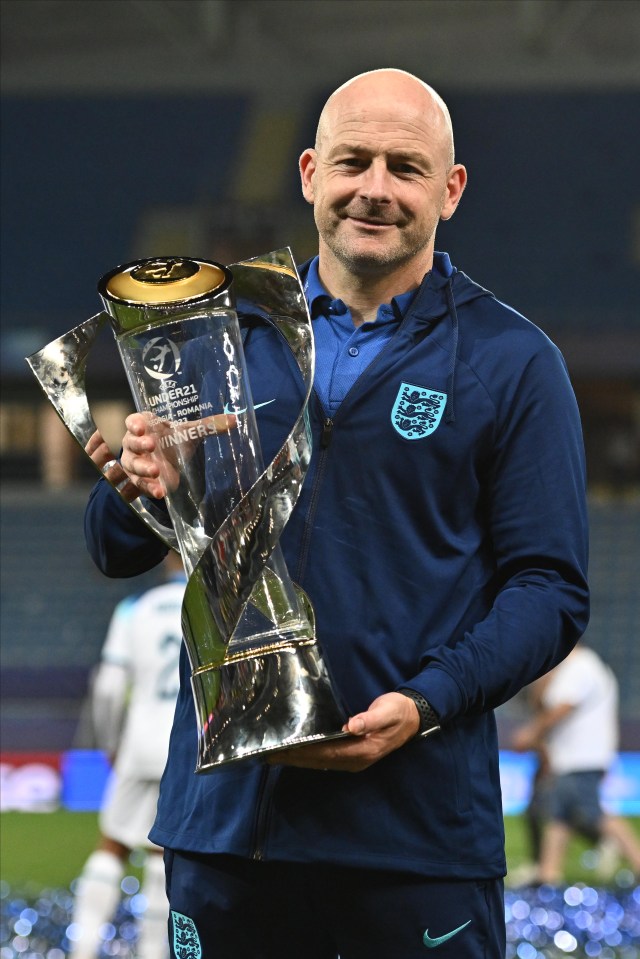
[258,678]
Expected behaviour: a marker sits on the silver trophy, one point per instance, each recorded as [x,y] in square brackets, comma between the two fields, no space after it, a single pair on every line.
[258,678]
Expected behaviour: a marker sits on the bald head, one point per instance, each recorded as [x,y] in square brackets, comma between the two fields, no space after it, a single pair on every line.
[380,179]
[364,94]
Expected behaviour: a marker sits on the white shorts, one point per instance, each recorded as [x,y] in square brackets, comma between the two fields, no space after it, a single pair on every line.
[129,810]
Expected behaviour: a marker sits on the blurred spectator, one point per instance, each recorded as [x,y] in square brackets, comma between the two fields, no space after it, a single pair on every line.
[133,701]
[535,815]
[577,727]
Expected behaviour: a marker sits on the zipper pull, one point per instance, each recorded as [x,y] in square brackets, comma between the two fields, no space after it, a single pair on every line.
[327,429]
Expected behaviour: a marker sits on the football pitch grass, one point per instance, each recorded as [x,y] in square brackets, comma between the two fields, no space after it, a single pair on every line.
[47,850]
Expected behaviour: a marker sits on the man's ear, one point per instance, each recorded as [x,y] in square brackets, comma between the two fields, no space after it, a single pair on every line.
[456,182]
[307,165]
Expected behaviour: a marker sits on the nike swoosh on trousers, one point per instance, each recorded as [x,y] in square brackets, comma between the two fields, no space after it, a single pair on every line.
[432,943]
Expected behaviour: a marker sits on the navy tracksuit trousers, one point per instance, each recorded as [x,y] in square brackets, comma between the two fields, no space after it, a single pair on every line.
[225,907]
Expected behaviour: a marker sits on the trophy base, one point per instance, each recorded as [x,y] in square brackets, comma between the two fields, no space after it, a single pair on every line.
[259,703]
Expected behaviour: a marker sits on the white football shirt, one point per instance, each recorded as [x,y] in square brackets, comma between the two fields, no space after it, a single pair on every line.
[588,737]
[138,679]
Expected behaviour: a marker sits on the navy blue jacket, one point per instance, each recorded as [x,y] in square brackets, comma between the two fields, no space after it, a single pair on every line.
[453,563]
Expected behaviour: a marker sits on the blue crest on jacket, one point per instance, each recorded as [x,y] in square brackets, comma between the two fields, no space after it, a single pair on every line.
[417,411]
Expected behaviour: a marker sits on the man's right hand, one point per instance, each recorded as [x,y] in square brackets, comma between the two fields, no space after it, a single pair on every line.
[139,459]
[151,472]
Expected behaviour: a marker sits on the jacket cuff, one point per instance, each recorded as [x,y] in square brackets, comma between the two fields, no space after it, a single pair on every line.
[440,690]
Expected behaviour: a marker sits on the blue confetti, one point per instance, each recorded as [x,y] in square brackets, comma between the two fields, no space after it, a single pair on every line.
[543,922]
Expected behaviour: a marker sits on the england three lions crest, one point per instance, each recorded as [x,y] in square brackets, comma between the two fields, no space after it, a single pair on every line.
[186,942]
[417,411]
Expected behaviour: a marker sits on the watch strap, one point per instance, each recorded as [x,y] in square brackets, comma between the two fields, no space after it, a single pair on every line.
[429,720]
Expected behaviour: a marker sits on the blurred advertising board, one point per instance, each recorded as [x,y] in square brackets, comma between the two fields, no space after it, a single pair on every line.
[620,789]
[76,779]
[30,781]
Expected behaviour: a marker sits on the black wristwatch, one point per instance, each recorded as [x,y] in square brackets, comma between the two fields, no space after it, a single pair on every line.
[429,721]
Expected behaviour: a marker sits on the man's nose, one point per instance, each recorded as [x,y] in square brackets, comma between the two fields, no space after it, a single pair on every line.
[376,183]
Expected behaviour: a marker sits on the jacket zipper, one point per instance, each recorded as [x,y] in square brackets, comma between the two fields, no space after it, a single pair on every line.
[267,786]
[328,423]
[327,432]
[325,440]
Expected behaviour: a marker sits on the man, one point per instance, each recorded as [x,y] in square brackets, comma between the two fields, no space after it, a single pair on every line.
[577,725]
[133,701]
[441,536]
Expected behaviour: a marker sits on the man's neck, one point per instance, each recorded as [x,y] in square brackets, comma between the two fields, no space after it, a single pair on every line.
[364,293]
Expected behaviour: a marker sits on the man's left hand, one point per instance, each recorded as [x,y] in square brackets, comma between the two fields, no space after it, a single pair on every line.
[390,721]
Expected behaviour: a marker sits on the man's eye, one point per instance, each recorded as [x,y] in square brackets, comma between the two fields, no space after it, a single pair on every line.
[352,162]
[405,168]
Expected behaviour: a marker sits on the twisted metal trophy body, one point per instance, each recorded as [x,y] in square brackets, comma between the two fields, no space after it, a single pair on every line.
[258,678]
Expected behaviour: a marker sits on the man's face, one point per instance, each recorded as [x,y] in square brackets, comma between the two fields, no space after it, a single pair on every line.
[379,180]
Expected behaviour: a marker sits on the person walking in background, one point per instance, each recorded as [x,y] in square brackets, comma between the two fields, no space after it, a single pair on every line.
[535,813]
[133,701]
[576,725]
[441,535]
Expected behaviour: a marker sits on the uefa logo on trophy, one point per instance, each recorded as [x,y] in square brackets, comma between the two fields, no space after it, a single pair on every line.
[258,678]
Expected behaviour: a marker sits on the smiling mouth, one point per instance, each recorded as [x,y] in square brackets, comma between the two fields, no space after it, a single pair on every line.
[370,224]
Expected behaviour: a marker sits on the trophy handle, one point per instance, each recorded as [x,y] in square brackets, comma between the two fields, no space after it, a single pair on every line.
[60,369]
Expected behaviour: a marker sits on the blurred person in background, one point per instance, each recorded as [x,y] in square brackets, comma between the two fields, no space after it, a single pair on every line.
[576,726]
[441,534]
[133,700]
[535,814]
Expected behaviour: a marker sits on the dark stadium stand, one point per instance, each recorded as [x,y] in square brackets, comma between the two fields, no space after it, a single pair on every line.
[54,612]
[55,608]
[78,201]
[615,616]
[535,226]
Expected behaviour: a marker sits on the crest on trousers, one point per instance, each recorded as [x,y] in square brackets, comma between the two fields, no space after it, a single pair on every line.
[417,411]
[186,941]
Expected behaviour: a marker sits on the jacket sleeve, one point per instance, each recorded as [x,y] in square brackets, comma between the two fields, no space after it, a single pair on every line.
[537,524]
[118,541]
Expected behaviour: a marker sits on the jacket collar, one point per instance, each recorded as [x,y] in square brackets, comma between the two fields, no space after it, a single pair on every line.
[428,304]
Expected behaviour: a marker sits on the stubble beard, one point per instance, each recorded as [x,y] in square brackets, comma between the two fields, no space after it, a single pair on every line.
[382,261]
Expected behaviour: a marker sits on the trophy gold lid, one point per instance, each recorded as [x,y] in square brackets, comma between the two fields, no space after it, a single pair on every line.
[142,293]
[163,280]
